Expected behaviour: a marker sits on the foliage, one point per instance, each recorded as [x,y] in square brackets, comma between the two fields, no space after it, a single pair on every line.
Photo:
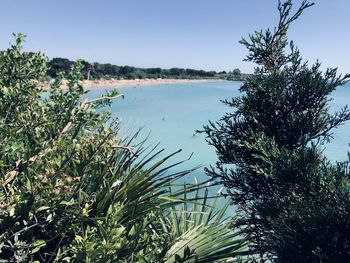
[235,75]
[201,234]
[98,70]
[295,202]
[73,191]
[57,65]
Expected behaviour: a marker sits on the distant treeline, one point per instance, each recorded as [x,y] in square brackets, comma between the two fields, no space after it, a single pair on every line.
[108,71]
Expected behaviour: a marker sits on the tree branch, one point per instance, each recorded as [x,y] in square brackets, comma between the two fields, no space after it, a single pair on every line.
[104,98]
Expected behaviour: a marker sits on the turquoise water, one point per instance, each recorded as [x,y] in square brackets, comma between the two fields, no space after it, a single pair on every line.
[172,112]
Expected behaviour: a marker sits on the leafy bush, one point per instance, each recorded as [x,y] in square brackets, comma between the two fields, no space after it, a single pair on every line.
[73,191]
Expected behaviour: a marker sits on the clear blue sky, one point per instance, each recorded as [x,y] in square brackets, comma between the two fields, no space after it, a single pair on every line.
[201,34]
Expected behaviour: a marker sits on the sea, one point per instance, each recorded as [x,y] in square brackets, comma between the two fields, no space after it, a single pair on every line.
[170,114]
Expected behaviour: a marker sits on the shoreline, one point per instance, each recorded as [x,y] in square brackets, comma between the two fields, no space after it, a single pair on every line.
[103,83]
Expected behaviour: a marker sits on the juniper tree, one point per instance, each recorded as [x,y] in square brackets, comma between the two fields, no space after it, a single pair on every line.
[295,203]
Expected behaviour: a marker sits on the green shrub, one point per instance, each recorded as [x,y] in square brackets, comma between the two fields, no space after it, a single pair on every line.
[296,203]
[73,191]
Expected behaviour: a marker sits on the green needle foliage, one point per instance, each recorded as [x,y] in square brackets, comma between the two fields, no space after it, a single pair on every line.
[72,190]
[295,203]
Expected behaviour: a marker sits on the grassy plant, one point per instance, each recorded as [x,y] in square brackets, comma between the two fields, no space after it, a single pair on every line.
[73,190]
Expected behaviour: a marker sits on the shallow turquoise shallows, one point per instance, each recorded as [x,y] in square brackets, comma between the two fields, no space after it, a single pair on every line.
[173,112]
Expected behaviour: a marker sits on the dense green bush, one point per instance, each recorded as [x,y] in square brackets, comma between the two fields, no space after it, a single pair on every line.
[74,191]
[296,203]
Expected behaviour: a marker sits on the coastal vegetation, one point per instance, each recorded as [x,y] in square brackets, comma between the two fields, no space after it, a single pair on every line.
[74,190]
[95,71]
[236,75]
[295,203]
[98,71]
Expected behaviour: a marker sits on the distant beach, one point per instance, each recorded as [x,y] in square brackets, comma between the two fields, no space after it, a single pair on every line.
[101,83]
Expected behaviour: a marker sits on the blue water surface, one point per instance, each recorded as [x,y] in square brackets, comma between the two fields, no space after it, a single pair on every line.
[171,113]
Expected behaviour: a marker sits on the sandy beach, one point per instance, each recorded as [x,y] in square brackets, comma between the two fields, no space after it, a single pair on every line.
[102,83]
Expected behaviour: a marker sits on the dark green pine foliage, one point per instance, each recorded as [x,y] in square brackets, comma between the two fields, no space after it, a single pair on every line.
[295,203]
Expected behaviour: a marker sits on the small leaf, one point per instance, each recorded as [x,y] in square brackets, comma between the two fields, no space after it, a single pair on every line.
[37,245]
[43,208]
